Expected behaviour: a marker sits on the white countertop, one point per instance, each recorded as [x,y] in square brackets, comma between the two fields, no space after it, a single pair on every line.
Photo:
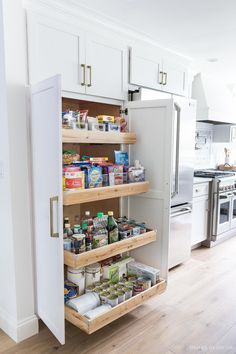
[201,180]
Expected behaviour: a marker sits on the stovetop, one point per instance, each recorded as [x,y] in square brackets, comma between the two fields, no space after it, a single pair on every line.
[211,173]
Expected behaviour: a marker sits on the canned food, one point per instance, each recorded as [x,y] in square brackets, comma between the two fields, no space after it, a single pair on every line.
[128,293]
[104,297]
[145,282]
[121,296]
[138,289]
[112,300]
[89,288]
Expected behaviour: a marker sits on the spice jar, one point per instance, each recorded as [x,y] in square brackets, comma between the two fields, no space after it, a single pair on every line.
[92,274]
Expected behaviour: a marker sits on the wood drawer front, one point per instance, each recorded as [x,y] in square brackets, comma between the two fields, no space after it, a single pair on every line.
[200,189]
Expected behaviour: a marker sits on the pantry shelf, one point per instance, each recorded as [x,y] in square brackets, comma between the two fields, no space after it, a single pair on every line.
[97,255]
[91,137]
[90,326]
[101,193]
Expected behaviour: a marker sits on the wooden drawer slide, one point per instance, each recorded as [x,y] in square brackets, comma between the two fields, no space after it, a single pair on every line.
[90,326]
[96,255]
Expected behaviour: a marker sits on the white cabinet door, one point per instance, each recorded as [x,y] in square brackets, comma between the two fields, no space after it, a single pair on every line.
[200,220]
[55,48]
[174,78]
[47,203]
[145,71]
[106,62]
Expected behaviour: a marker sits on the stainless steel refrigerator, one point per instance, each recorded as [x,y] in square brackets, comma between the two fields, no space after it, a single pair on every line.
[165,146]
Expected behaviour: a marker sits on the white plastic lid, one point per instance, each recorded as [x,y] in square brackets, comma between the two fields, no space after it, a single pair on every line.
[75,270]
[93,268]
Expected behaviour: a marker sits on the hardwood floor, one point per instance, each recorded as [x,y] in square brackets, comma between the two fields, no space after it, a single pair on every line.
[197,314]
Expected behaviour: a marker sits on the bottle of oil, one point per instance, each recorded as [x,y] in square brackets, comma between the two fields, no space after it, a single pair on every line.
[112,228]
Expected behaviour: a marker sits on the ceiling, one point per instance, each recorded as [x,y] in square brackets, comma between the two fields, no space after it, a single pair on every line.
[200,29]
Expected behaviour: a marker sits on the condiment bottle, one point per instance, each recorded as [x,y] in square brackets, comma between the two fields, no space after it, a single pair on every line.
[113,233]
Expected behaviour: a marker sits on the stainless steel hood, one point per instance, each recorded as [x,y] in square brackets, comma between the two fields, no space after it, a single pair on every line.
[216,103]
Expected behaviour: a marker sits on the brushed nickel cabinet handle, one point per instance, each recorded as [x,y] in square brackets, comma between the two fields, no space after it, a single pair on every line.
[165,78]
[83,83]
[52,201]
[90,75]
[161,77]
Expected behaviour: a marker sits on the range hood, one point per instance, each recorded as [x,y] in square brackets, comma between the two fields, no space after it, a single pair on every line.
[216,104]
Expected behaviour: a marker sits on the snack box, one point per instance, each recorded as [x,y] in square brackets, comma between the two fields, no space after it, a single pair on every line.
[111,175]
[117,270]
[118,173]
[94,177]
[102,118]
[112,127]
[143,270]
[121,157]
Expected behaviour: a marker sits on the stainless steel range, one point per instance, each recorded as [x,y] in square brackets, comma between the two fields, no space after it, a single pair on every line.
[222,220]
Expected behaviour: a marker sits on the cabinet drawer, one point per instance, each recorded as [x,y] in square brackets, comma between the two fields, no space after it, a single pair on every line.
[200,189]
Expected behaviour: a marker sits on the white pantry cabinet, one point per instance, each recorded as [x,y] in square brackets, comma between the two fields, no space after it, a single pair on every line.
[51,205]
[88,63]
[200,213]
[152,70]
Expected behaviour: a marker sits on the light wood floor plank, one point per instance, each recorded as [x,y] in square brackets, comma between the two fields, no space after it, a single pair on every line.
[197,314]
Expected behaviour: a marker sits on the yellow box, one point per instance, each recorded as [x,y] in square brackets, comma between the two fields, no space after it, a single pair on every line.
[102,118]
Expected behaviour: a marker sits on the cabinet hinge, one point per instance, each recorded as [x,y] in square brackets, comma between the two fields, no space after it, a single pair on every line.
[124,111]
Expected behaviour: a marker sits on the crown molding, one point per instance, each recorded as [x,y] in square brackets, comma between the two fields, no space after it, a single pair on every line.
[83,13]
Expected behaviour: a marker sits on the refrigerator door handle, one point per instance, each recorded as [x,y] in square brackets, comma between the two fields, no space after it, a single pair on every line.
[177,139]
[182,211]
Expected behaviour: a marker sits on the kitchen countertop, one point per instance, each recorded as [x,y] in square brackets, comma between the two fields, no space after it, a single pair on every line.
[201,180]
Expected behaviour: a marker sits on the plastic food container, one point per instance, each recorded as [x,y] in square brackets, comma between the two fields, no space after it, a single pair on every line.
[77,277]
[67,244]
[92,274]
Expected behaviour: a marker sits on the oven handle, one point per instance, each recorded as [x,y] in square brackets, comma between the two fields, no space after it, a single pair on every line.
[215,216]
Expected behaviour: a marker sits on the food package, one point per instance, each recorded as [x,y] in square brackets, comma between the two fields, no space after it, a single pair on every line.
[84,303]
[143,270]
[92,314]
[70,157]
[117,270]
[121,157]
[100,239]
[73,178]
[118,173]
[94,177]
[102,118]
[122,123]
[112,127]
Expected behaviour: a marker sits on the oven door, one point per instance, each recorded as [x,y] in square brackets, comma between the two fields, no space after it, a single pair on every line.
[222,213]
[233,211]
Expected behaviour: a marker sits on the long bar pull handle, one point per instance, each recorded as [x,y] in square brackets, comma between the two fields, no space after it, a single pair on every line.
[176,189]
[90,75]
[83,83]
[53,201]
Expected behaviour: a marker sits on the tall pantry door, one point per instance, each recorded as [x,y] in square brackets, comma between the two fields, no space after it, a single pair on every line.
[152,121]
[47,203]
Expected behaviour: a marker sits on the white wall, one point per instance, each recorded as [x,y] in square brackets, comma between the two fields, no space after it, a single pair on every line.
[16,302]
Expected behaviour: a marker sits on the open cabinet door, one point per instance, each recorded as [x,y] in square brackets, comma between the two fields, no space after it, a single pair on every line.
[47,203]
[152,121]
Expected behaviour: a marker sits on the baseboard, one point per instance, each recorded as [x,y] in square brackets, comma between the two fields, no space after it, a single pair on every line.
[18,330]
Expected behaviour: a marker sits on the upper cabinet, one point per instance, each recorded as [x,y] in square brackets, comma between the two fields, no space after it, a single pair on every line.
[88,63]
[55,48]
[105,67]
[154,71]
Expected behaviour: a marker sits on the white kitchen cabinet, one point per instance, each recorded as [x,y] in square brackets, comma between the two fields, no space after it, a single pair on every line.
[200,213]
[55,48]
[48,139]
[174,78]
[154,71]
[105,67]
[145,71]
[88,63]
